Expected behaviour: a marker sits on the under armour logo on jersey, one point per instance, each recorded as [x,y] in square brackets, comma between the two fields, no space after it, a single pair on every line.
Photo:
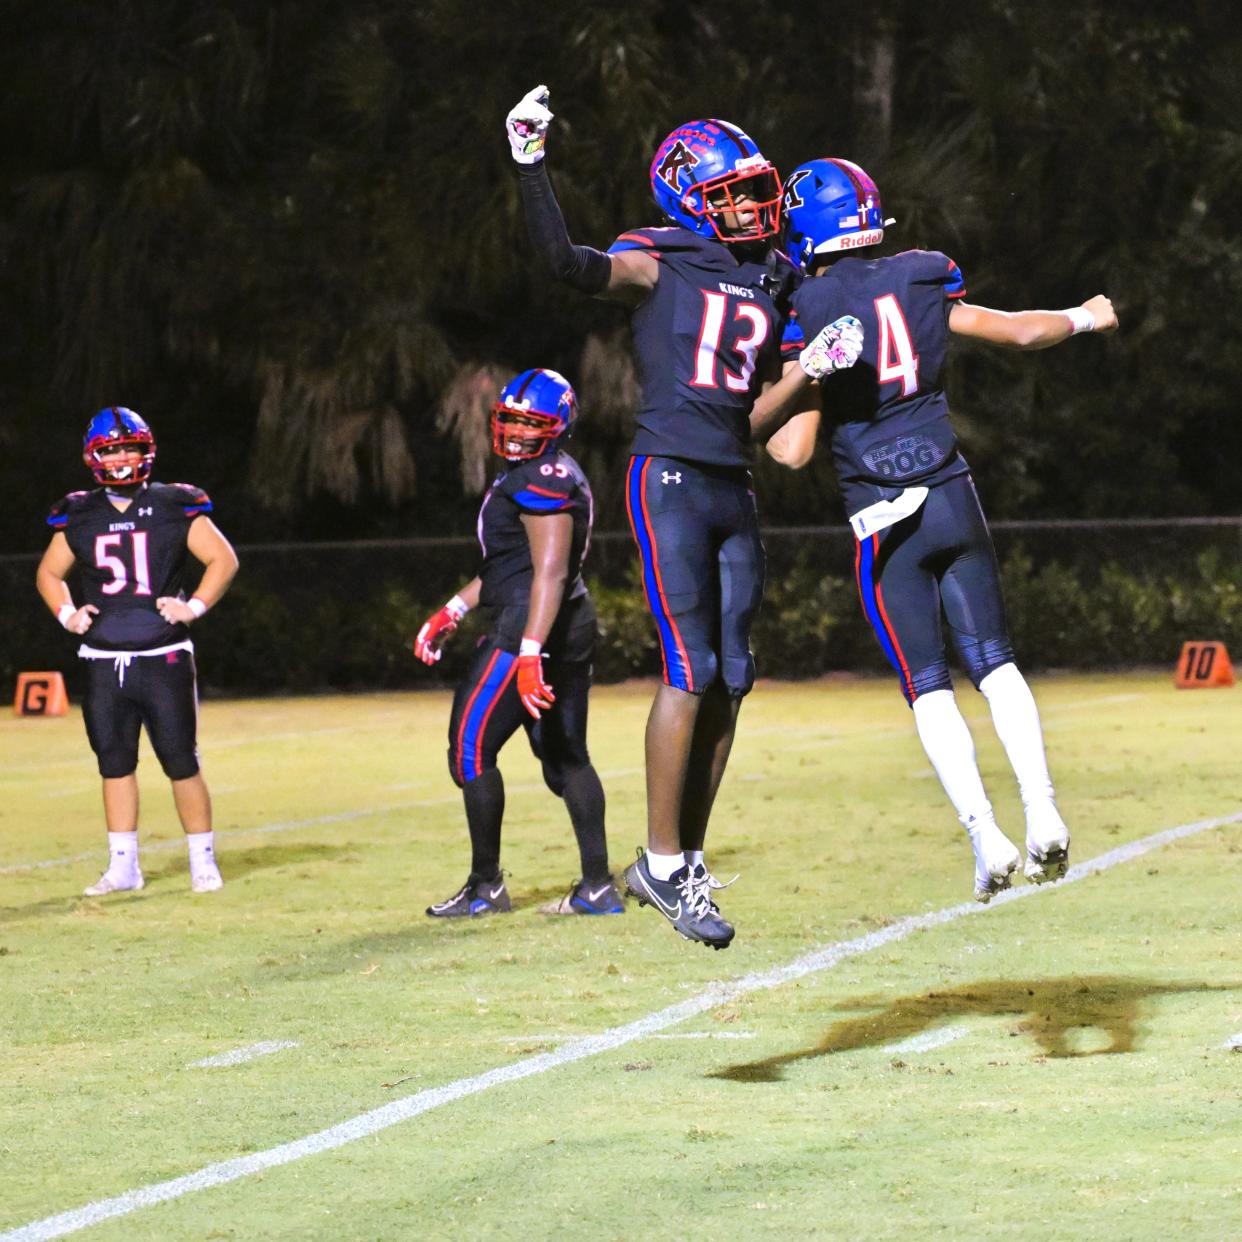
[673,476]
[679,156]
[145,512]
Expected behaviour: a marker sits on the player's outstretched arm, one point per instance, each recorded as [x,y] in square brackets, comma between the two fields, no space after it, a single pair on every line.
[626,277]
[208,545]
[54,590]
[1033,329]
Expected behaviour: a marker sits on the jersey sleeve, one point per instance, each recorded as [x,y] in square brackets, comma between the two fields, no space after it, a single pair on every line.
[543,488]
[951,277]
[793,339]
[190,499]
[635,239]
[58,515]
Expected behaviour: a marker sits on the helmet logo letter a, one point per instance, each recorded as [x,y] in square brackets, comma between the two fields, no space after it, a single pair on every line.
[679,156]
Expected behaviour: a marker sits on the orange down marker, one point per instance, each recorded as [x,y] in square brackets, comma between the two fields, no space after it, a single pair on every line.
[1203,666]
[41,694]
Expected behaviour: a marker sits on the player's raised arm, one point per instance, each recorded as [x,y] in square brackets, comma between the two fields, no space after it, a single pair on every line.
[1032,329]
[626,277]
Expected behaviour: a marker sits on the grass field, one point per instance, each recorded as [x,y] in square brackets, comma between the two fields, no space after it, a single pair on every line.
[1055,1066]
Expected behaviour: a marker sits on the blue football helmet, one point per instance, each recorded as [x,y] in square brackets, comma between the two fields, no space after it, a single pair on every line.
[535,412]
[700,171]
[115,425]
[830,205]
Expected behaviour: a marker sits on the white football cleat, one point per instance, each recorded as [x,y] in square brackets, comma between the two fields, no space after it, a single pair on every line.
[996,859]
[206,879]
[1047,844]
[110,882]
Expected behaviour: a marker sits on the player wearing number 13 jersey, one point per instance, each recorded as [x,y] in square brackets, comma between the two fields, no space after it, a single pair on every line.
[708,296]
[131,540]
[922,546]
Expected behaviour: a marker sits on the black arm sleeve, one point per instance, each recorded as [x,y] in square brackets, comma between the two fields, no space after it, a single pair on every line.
[582,267]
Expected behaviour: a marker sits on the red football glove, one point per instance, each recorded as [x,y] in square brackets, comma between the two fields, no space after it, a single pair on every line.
[535,693]
[436,629]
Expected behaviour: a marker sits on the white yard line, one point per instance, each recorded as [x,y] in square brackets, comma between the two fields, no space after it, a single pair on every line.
[711,997]
[928,1041]
[249,1053]
[289,825]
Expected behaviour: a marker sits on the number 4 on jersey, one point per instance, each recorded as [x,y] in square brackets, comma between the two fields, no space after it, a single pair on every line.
[898,363]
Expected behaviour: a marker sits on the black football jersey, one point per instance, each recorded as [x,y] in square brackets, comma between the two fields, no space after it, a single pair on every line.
[888,413]
[703,341]
[129,560]
[553,483]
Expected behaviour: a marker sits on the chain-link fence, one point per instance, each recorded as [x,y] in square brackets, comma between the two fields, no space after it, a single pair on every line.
[305,617]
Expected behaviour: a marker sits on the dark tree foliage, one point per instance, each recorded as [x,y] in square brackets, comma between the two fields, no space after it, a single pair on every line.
[289,233]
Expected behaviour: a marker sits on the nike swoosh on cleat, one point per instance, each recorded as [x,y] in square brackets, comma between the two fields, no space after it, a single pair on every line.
[495,893]
[673,912]
[599,892]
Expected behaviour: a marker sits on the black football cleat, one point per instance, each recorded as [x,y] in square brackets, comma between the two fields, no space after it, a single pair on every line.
[586,898]
[476,897]
[684,899]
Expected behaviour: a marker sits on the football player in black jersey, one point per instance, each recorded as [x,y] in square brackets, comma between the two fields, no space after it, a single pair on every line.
[131,539]
[708,295]
[535,529]
[922,544]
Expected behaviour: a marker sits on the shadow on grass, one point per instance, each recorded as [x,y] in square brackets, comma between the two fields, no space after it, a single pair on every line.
[1045,1009]
[175,870]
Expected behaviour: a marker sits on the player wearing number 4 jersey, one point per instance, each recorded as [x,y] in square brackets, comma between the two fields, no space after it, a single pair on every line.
[708,295]
[922,545]
[131,539]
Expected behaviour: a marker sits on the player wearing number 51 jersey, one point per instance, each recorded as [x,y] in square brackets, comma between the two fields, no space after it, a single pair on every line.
[922,545]
[131,541]
[708,295]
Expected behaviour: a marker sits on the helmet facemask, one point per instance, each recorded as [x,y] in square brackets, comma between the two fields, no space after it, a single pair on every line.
[743,205]
[520,435]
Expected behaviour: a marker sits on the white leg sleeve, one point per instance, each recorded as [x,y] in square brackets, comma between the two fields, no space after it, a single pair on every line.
[947,741]
[1017,725]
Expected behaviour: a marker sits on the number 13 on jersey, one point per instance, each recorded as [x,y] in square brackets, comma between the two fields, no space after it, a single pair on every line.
[746,346]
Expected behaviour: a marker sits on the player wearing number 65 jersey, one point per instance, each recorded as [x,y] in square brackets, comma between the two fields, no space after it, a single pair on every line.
[708,295]
[922,545]
[131,541]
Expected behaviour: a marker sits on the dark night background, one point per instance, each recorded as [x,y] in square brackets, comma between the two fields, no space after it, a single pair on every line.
[288,234]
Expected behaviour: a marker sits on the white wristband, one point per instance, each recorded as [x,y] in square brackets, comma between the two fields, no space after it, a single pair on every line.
[1081,319]
[457,608]
[196,606]
[64,612]
[530,647]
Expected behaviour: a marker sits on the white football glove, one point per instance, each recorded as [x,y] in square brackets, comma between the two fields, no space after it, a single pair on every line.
[527,126]
[835,348]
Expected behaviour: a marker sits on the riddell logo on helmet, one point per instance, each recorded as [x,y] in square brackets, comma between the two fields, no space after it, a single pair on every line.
[853,241]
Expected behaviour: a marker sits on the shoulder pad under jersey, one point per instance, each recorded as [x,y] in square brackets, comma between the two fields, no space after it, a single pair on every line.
[58,515]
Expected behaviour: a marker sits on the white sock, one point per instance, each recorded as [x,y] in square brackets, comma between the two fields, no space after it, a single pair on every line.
[123,853]
[202,850]
[947,741]
[694,858]
[662,866]
[1016,719]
